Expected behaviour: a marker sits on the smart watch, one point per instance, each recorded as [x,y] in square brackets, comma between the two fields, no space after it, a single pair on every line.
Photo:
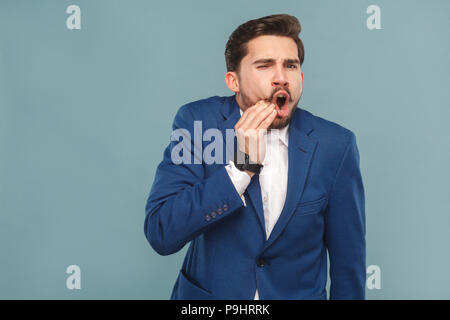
[247,165]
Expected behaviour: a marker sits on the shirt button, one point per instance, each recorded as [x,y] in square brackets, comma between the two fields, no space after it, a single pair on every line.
[265,199]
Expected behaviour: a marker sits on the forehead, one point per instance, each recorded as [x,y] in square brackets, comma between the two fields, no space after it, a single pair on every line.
[275,47]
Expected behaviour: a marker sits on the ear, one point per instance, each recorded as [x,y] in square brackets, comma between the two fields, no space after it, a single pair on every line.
[232,81]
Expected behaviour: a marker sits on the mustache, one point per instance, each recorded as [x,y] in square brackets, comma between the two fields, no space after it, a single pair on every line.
[270,99]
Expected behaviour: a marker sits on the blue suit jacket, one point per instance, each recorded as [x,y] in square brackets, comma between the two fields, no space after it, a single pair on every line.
[229,256]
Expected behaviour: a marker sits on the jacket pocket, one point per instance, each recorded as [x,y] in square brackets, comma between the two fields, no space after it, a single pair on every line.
[188,290]
[311,207]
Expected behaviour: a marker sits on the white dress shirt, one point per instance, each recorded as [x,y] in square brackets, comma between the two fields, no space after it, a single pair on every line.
[272,178]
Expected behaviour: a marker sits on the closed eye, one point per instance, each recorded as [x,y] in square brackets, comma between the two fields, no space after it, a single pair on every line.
[290,66]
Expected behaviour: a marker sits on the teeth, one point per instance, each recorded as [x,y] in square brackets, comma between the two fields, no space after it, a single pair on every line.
[281,96]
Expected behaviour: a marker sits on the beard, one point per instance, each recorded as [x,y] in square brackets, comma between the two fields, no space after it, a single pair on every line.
[278,122]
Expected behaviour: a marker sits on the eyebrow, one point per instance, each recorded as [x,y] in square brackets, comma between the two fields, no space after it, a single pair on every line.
[272,61]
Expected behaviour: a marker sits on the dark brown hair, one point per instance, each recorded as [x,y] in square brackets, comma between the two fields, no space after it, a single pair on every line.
[278,24]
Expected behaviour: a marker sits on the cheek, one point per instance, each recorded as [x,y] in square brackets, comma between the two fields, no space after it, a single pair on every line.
[298,89]
[255,89]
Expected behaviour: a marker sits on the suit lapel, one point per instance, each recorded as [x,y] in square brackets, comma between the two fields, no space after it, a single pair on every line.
[254,193]
[300,153]
[301,149]
[230,111]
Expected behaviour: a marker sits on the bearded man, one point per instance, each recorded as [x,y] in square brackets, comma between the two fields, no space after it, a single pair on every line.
[261,228]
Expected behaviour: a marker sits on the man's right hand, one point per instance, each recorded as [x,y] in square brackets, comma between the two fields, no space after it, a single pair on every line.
[251,127]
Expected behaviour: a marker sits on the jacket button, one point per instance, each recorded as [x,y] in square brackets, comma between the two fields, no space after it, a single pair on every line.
[219,211]
[213,214]
[225,207]
[261,262]
[208,217]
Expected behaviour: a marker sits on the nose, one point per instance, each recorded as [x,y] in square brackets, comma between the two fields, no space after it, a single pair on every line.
[279,77]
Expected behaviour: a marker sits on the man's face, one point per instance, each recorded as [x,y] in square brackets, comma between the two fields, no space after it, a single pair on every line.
[271,68]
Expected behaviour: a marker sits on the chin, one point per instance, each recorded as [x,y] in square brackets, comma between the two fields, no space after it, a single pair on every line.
[280,123]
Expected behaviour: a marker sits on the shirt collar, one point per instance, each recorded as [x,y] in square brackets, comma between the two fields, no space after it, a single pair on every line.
[283,134]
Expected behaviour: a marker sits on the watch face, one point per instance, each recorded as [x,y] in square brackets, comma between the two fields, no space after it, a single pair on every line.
[252,167]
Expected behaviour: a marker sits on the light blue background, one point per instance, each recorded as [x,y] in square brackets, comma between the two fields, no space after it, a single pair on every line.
[86,114]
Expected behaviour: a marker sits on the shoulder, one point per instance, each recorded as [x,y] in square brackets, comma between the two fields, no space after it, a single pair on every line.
[330,135]
[206,107]
[204,110]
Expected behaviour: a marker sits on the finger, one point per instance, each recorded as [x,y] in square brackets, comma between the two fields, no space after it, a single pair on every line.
[255,116]
[245,115]
[260,105]
[262,116]
[268,120]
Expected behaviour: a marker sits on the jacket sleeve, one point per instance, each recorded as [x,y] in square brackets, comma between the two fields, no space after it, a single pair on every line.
[345,228]
[183,203]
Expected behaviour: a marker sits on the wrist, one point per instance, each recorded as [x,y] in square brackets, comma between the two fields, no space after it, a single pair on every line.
[242,162]
[251,174]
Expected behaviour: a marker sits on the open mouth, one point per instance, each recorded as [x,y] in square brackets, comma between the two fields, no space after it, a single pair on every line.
[281,99]
[281,102]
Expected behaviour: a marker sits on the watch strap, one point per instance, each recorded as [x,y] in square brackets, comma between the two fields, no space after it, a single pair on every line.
[242,162]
